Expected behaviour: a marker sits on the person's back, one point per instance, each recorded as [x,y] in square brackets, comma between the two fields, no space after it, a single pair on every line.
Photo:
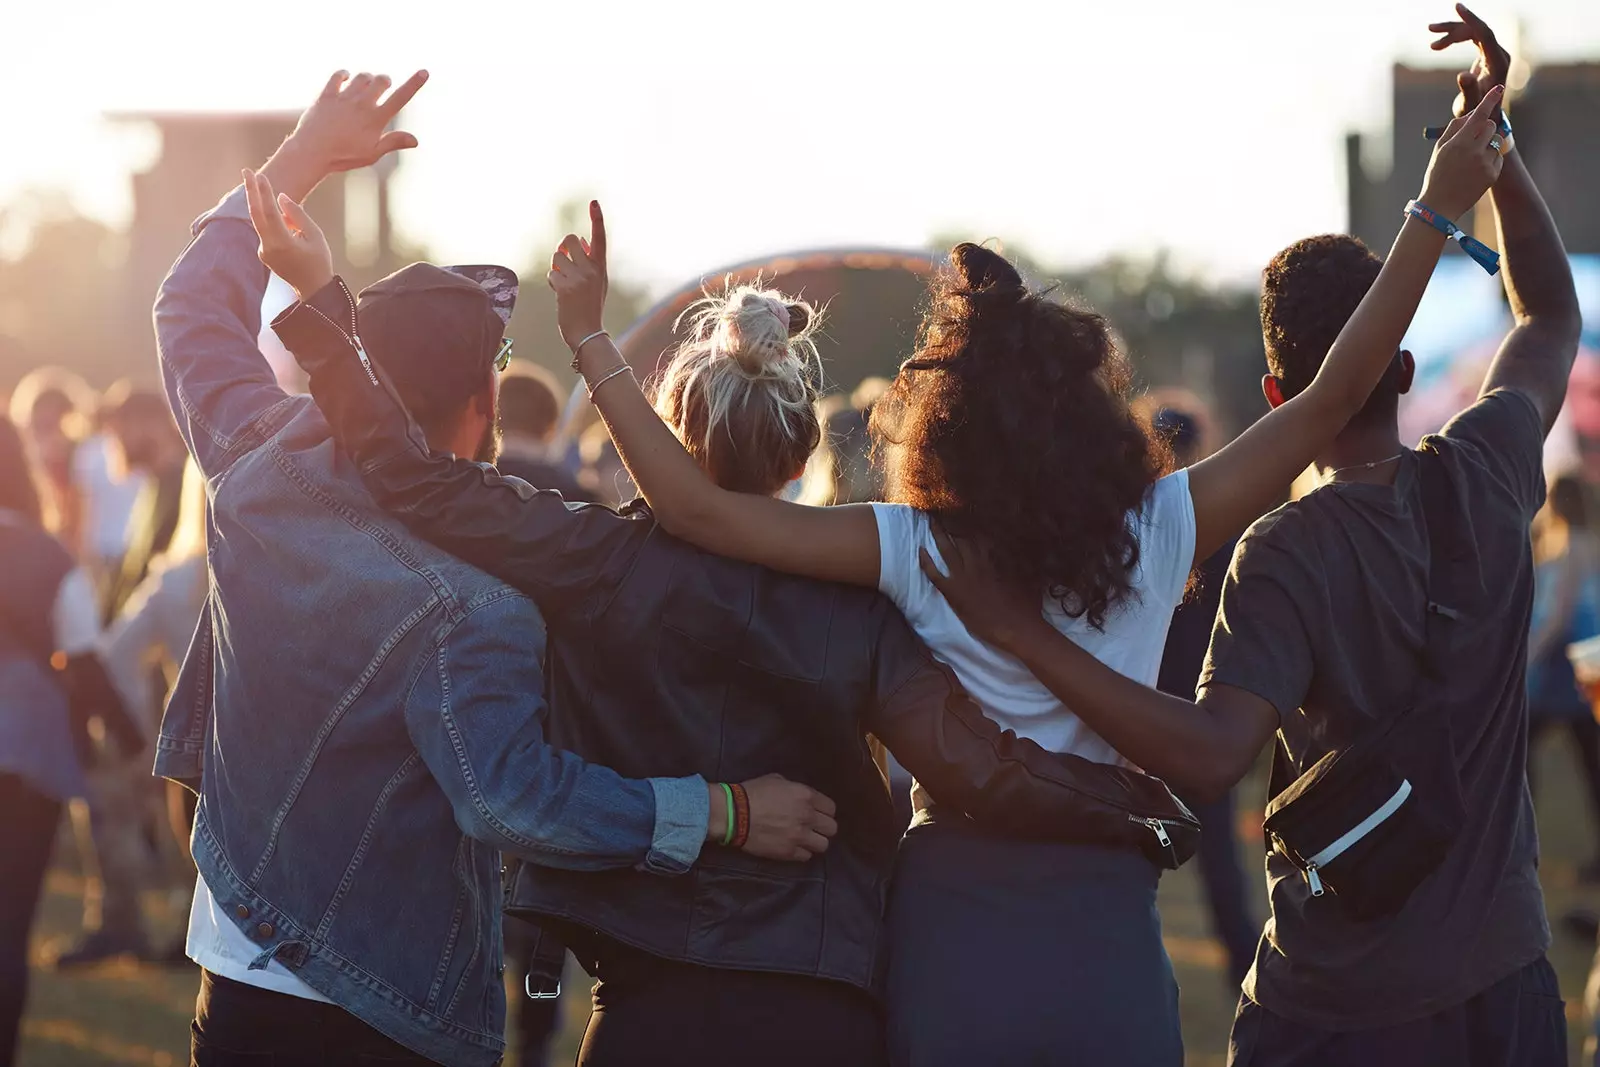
[1351,561]
[360,712]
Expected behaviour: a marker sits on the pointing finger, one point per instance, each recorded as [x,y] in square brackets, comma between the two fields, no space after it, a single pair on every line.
[402,96]
[597,233]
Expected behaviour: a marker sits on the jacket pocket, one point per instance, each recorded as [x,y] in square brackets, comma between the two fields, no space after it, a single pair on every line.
[764,921]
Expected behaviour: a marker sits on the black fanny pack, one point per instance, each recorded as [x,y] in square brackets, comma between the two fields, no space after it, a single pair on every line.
[1370,822]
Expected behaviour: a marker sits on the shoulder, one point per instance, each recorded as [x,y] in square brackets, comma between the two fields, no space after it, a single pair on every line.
[1498,441]
[900,525]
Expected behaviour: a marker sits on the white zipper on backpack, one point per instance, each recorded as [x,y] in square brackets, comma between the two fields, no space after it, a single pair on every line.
[1360,830]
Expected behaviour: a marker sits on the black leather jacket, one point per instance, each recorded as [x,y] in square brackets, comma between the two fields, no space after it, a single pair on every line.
[665,660]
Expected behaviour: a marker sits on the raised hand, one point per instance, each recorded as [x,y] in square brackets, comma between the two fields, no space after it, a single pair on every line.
[347,126]
[292,245]
[1491,67]
[1463,164]
[579,277]
[788,821]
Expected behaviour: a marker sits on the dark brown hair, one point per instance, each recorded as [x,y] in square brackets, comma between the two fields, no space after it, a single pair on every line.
[1011,425]
[1308,293]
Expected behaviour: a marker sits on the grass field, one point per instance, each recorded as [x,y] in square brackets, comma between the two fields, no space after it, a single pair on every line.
[131,1015]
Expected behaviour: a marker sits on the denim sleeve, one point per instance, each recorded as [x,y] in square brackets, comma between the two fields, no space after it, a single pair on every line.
[568,558]
[207,318]
[475,716]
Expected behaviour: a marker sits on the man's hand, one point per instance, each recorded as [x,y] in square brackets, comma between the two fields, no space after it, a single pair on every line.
[292,245]
[1463,165]
[578,276]
[1490,68]
[346,128]
[990,607]
[788,821]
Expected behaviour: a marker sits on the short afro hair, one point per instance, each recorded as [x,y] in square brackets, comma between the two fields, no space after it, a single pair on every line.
[1308,293]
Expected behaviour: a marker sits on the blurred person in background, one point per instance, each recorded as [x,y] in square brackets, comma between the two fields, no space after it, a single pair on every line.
[530,412]
[843,468]
[1566,609]
[53,409]
[112,833]
[603,477]
[140,422]
[109,492]
[57,707]
[1220,869]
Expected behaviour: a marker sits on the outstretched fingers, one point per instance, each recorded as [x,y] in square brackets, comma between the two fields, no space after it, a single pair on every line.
[402,96]
[264,213]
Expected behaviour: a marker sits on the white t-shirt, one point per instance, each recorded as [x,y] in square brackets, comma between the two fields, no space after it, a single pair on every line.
[1131,643]
[219,946]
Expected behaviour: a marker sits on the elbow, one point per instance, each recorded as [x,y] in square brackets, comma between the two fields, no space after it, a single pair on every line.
[689,520]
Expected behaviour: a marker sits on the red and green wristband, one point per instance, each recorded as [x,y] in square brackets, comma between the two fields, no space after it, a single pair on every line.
[738,827]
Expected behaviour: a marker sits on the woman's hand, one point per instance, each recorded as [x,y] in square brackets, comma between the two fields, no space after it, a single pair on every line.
[1492,66]
[991,609]
[578,276]
[292,245]
[1464,165]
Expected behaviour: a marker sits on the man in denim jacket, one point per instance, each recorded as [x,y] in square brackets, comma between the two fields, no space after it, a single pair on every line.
[360,712]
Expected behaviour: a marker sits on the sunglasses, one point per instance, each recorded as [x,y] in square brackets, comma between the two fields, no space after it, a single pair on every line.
[502,358]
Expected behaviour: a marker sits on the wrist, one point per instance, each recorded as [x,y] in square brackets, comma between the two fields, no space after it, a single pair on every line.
[1443,204]
[296,168]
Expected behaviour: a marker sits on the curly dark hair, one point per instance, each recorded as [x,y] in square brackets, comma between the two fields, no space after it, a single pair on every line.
[1308,292]
[1011,425]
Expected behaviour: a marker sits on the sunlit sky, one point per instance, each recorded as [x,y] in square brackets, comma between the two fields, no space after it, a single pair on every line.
[713,132]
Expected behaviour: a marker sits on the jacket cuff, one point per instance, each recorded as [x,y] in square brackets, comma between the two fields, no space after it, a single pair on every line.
[683,815]
[232,206]
[300,326]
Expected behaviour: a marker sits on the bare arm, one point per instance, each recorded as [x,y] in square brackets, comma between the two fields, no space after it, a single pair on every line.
[834,544]
[1203,748]
[1242,481]
[1536,357]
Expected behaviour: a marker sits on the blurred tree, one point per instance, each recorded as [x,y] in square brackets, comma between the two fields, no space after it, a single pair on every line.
[533,324]
[59,273]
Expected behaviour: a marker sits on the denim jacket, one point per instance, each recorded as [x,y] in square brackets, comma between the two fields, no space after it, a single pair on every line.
[360,712]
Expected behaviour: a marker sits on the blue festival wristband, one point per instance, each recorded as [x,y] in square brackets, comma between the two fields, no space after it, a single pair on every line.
[1481,254]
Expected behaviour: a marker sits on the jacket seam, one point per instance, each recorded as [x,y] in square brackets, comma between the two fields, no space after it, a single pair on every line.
[401,773]
[480,803]
[349,967]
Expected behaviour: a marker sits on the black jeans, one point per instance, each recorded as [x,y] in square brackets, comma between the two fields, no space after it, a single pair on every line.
[653,1011]
[28,821]
[1517,1022]
[238,1025]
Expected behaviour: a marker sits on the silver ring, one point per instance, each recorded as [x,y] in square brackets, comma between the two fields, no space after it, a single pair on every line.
[1495,144]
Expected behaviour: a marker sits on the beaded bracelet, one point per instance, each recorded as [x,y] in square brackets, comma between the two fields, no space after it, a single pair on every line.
[741,807]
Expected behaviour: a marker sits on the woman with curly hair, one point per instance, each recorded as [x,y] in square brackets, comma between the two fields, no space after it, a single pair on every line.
[1008,428]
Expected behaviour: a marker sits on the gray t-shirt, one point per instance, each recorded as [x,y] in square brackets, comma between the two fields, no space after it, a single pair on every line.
[1323,617]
